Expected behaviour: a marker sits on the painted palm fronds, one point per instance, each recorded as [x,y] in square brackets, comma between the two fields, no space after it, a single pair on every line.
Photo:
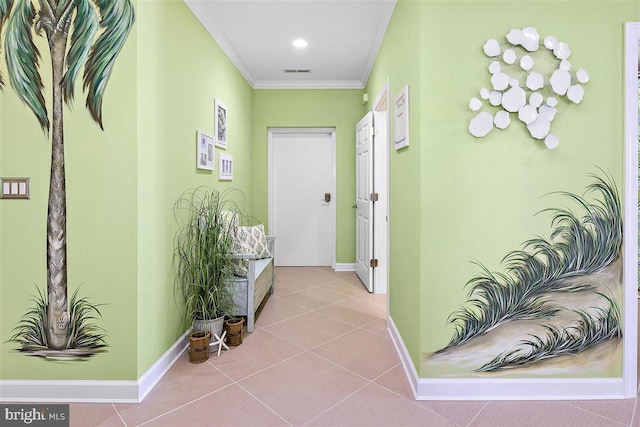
[589,331]
[84,36]
[578,246]
[85,338]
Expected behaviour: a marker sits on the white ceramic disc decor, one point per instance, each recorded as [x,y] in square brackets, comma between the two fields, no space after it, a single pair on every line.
[509,56]
[536,99]
[475,104]
[481,124]
[513,61]
[551,141]
[502,119]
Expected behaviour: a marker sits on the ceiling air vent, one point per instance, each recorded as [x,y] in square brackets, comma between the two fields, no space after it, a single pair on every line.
[294,71]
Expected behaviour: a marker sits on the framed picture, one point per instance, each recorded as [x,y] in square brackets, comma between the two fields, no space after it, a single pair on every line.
[221,124]
[401,138]
[205,154]
[225,168]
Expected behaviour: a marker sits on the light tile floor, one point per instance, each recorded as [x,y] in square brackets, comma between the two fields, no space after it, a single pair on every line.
[321,356]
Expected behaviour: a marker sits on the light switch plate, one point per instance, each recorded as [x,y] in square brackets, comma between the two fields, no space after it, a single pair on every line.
[14,188]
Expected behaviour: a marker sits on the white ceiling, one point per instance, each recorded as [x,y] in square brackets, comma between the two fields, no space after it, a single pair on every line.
[343,35]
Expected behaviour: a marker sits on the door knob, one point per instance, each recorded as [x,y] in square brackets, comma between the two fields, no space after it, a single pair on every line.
[327,197]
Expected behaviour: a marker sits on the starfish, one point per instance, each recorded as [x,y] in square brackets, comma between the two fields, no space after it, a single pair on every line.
[220,342]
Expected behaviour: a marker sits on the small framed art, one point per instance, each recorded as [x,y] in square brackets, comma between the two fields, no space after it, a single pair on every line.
[401,138]
[205,154]
[225,168]
[220,124]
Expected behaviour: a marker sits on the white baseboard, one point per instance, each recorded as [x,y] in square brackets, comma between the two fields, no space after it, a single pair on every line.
[504,389]
[89,391]
[155,373]
[345,267]
[407,363]
[68,391]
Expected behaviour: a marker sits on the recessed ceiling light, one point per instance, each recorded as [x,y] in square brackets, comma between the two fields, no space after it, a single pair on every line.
[300,43]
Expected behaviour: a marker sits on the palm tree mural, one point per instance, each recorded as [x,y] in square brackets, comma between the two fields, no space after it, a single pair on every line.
[84,36]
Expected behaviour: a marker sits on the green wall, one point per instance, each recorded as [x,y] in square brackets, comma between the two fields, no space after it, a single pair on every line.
[477,197]
[101,219]
[398,64]
[311,108]
[453,198]
[181,69]
[121,186]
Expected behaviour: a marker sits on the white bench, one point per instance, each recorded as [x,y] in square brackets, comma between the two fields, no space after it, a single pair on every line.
[249,292]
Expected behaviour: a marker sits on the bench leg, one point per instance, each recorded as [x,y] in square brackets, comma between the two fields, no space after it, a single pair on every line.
[250,321]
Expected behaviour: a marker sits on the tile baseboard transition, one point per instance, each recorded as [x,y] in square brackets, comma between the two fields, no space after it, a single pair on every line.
[504,389]
[89,391]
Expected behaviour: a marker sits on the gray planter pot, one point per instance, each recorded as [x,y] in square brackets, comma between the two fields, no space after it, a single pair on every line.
[214,326]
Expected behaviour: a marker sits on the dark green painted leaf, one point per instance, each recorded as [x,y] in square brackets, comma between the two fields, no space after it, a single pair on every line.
[117,20]
[85,27]
[22,60]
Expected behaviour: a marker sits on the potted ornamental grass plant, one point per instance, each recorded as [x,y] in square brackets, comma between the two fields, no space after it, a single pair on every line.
[206,220]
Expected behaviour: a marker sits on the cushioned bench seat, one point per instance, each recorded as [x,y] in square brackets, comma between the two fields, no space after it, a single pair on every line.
[250,291]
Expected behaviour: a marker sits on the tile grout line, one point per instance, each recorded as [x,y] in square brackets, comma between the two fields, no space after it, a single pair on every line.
[337,403]
[119,416]
[184,405]
[478,414]
[237,383]
[568,403]
[633,415]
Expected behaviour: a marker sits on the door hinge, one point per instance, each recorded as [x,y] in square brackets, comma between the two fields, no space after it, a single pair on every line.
[373,263]
[373,197]
[373,131]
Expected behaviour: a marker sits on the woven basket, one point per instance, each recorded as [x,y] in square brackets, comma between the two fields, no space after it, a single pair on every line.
[199,347]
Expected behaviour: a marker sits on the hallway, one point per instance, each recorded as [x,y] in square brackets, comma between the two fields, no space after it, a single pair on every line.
[321,356]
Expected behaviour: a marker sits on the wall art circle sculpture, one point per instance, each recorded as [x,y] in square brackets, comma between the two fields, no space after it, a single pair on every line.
[528,83]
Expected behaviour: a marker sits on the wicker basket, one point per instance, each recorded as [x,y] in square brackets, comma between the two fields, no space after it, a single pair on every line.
[199,347]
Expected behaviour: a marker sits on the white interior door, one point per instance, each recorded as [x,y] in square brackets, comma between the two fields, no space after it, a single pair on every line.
[364,204]
[302,187]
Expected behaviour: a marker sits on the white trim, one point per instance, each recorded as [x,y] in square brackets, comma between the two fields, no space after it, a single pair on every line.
[154,374]
[92,391]
[504,389]
[345,266]
[309,84]
[69,391]
[209,24]
[630,250]
[520,389]
[405,358]
[375,47]
[270,162]
[381,186]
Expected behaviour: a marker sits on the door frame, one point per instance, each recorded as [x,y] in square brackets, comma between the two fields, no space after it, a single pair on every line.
[270,179]
[381,186]
[630,247]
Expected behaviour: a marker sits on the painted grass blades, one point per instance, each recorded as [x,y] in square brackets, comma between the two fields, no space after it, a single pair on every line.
[83,331]
[30,333]
[589,331]
[86,339]
[578,247]
[22,58]
[85,28]
[117,21]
